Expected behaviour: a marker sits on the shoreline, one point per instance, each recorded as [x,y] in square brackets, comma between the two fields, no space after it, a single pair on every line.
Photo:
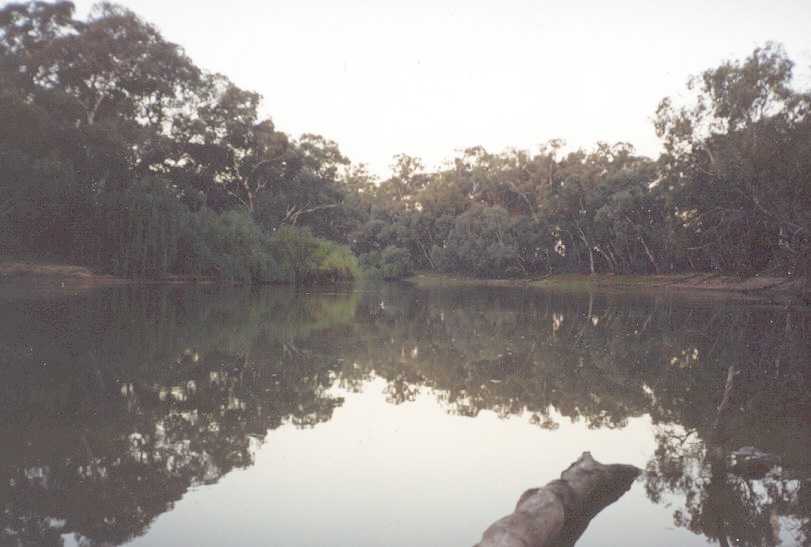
[40,275]
[44,274]
[756,287]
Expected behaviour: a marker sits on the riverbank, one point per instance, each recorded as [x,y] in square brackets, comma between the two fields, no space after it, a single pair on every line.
[773,288]
[40,274]
[43,274]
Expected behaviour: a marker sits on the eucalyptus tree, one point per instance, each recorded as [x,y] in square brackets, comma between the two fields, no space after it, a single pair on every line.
[737,164]
[84,106]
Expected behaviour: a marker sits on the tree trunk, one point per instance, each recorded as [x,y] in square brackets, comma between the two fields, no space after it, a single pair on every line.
[607,257]
[588,248]
[426,254]
[716,455]
[647,252]
[558,513]
[717,437]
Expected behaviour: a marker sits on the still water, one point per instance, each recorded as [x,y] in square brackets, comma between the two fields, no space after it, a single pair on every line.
[394,416]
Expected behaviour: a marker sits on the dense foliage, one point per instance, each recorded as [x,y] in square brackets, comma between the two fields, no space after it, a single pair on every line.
[118,152]
[731,193]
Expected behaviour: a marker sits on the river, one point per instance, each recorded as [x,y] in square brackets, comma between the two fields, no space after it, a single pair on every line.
[394,416]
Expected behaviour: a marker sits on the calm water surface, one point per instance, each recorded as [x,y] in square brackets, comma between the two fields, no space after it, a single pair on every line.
[393,416]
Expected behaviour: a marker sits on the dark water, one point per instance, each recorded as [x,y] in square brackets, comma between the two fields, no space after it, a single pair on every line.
[393,416]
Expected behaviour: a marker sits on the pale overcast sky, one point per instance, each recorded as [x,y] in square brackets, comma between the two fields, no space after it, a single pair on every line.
[431,77]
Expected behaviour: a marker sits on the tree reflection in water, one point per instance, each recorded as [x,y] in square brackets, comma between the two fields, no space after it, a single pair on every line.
[117,402]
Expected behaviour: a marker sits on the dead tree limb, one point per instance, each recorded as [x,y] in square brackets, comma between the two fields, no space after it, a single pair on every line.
[558,513]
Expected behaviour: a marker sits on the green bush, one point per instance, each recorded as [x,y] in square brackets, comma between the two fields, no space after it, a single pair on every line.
[396,263]
[148,232]
[43,208]
[338,261]
[370,264]
[391,264]
[482,242]
[228,246]
[442,258]
[141,228]
[306,259]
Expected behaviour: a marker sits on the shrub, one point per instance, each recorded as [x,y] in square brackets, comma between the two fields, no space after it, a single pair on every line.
[442,258]
[140,229]
[148,232]
[306,259]
[228,246]
[391,264]
[396,263]
[43,208]
[482,242]
[338,262]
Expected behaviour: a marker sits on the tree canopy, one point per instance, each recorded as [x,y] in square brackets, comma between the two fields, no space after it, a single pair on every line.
[119,152]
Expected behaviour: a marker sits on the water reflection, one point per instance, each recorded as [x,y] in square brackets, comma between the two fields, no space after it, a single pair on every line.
[115,403]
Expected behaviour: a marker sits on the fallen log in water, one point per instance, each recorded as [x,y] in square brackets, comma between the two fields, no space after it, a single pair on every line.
[558,513]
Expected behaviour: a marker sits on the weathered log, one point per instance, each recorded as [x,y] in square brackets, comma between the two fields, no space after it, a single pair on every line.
[557,514]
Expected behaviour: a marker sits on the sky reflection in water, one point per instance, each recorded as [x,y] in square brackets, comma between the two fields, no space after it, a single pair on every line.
[141,415]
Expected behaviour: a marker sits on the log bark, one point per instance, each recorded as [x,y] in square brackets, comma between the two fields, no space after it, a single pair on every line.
[557,514]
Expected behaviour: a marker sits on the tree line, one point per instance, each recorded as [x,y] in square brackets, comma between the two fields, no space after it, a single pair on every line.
[118,152]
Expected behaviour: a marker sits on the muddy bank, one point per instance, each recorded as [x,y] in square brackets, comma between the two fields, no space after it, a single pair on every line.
[44,275]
